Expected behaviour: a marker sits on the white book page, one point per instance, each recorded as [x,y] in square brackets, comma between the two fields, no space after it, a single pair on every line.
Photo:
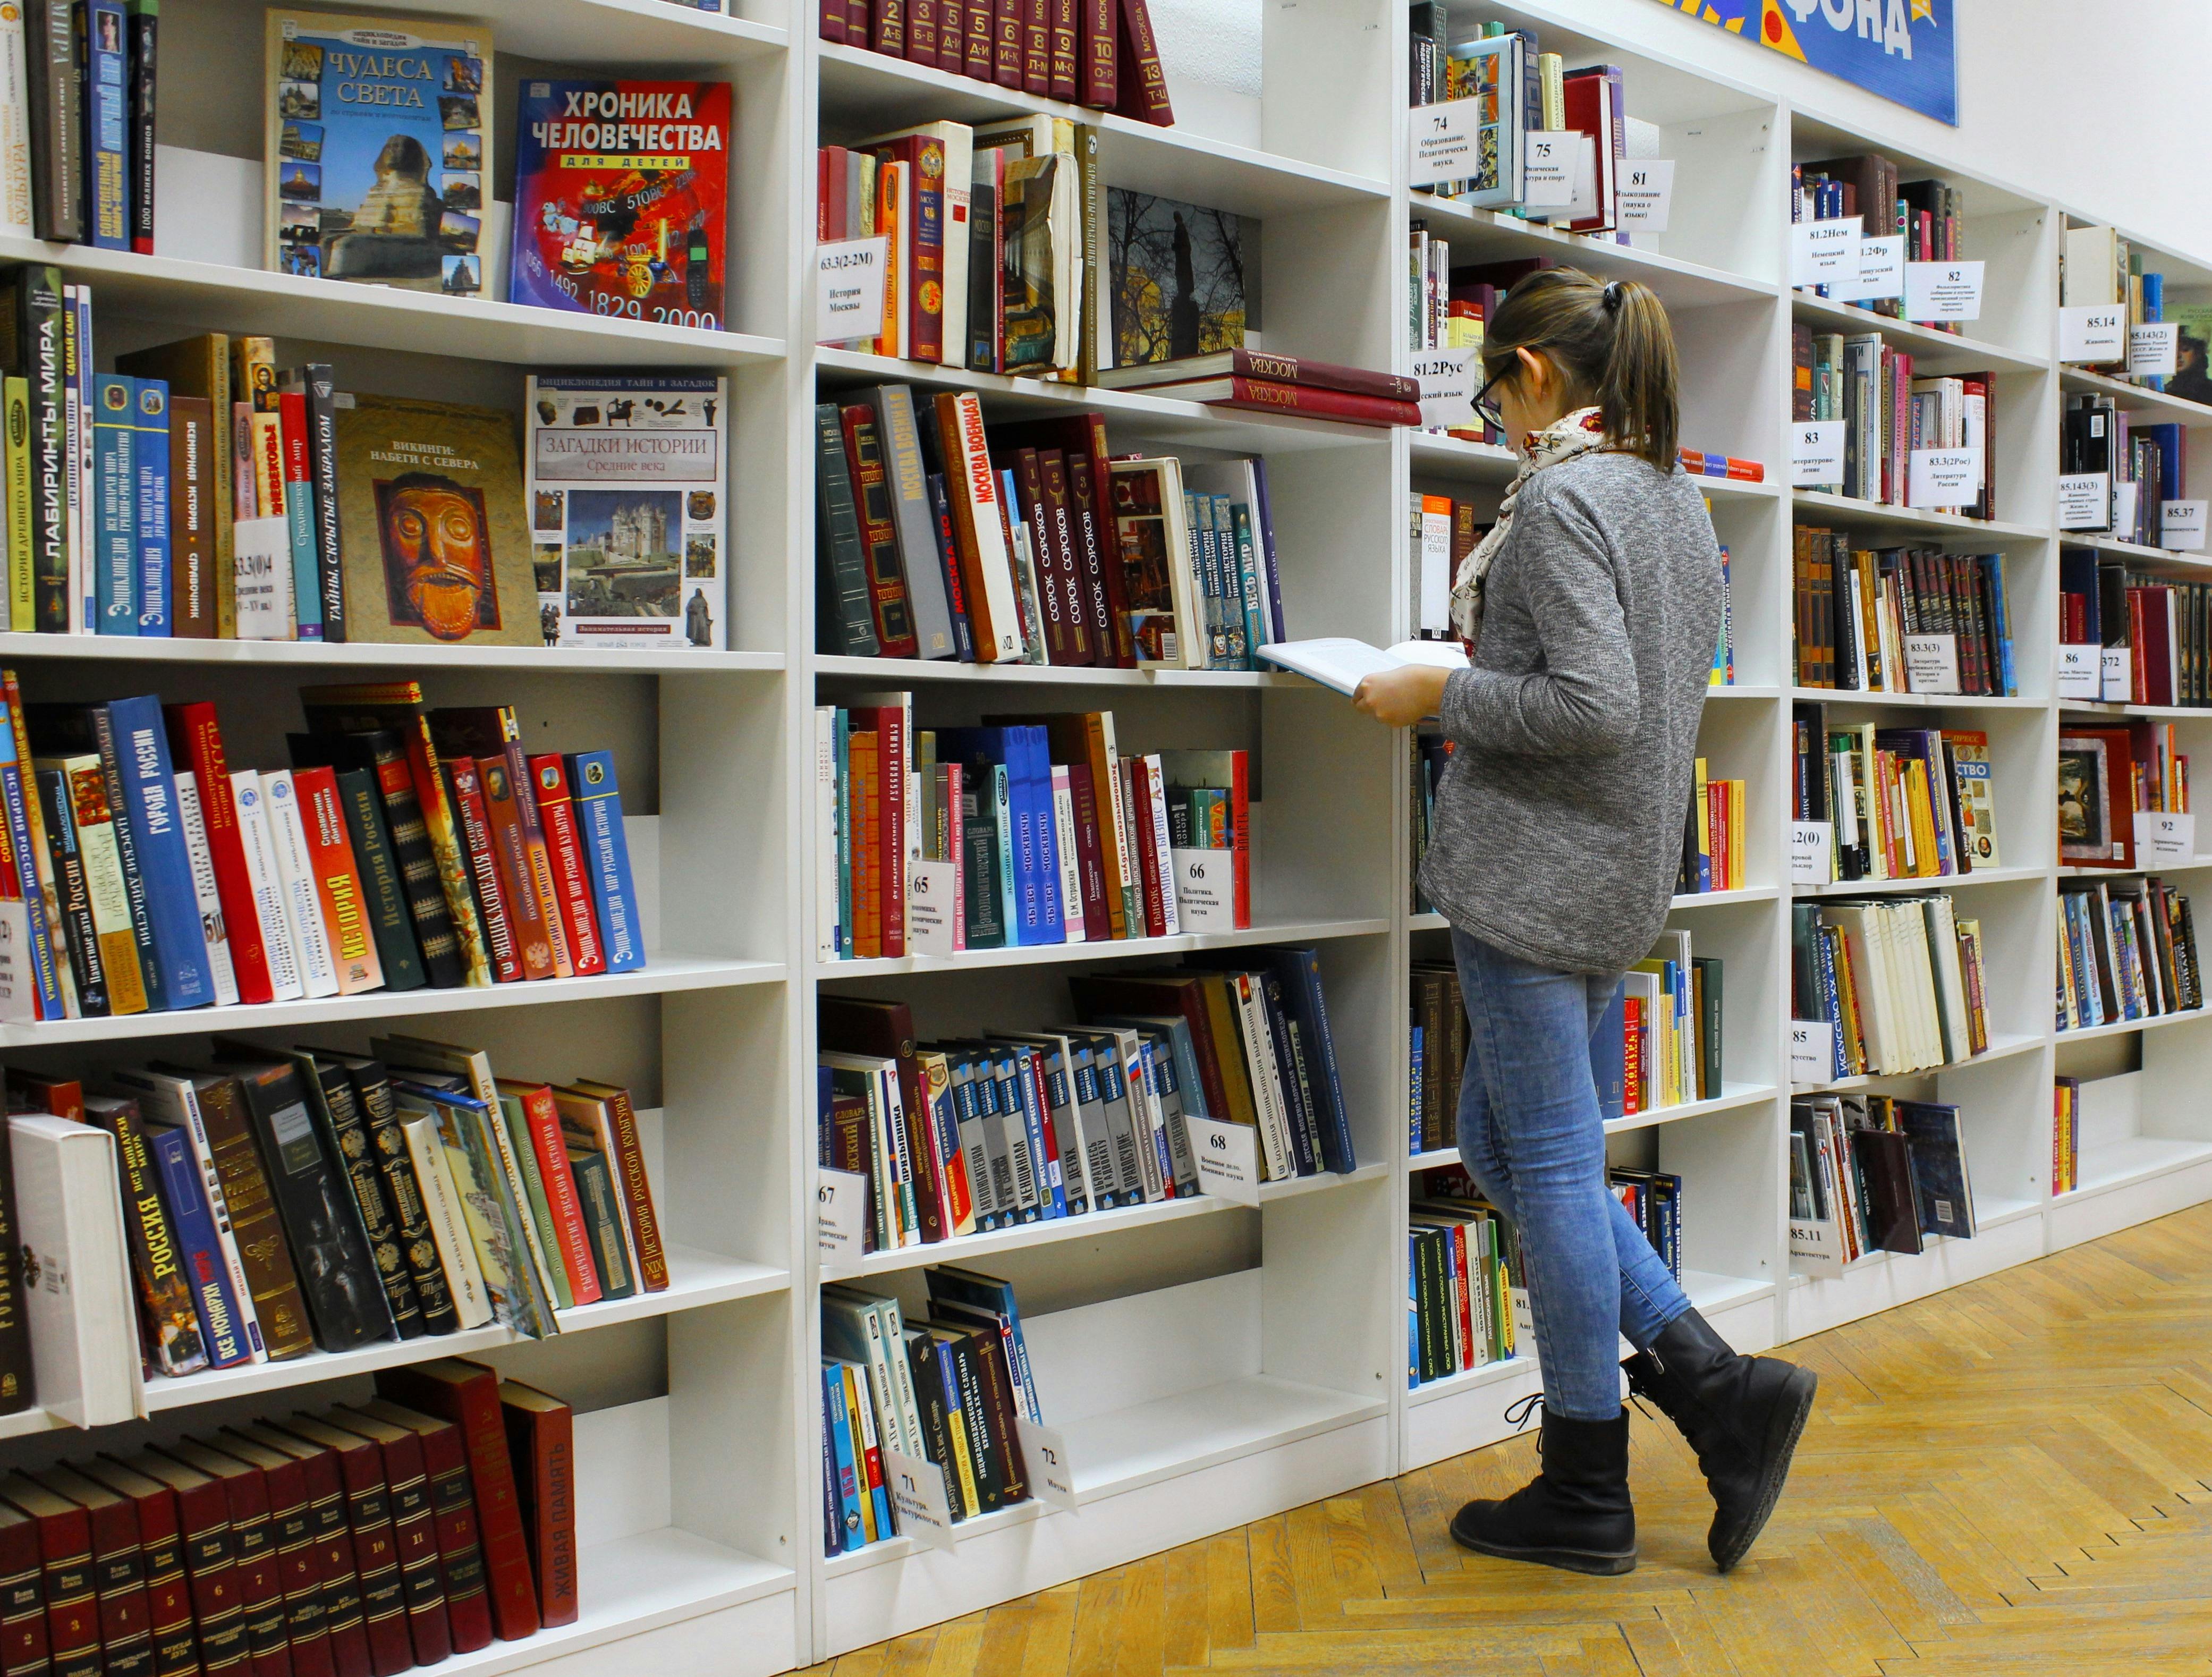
[1340,662]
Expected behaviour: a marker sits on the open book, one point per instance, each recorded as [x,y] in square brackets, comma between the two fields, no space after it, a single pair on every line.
[1339,662]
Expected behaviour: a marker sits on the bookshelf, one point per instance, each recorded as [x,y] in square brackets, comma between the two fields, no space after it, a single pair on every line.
[1208,1364]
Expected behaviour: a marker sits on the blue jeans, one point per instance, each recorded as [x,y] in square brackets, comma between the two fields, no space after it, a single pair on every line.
[1530,1133]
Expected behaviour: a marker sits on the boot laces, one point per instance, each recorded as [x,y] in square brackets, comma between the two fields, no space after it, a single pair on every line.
[1525,1406]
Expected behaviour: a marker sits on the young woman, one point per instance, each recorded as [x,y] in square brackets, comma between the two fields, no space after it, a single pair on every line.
[1593,605]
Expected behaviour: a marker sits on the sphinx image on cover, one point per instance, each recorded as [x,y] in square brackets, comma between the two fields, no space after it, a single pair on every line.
[620,198]
[1177,272]
[2081,835]
[362,112]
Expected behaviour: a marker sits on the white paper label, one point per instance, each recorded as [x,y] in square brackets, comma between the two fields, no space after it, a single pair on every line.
[1817,1246]
[848,289]
[2081,674]
[841,1213]
[1447,386]
[1206,889]
[2124,496]
[1228,1157]
[2085,499]
[1812,1051]
[1548,167]
[1824,252]
[19,984]
[2153,347]
[1644,194]
[1044,1451]
[1812,845]
[2164,840]
[931,888]
[1816,452]
[1931,663]
[2094,333]
[1524,1322]
[1945,477]
[1943,290]
[1881,272]
[1445,138]
[2181,525]
[2118,678]
[918,1499]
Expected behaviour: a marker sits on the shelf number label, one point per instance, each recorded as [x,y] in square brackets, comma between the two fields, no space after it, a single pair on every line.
[2181,525]
[16,987]
[1548,165]
[1936,291]
[1646,195]
[2085,499]
[2096,332]
[1882,272]
[1447,386]
[2164,840]
[1931,663]
[932,893]
[2152,348]
[1044,1451]
[1816,1246]
[848,289]
[2119,680]
[1206,889]
[2081,674]
[1945,477]
[1228,1158]
[1816,453]
[1812,846]
[1812,1051]
[917,1488]
[1824,252]
[1445,141]
[841,1213]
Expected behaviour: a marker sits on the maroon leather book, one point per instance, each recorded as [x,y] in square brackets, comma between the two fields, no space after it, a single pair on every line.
[119,1571]
[1090,857]
[1055,590]
[1269,396]
[204,1530]
[1064,75]
[65,1565]
[982,37]
[1142,83]
[299,1576]
[22,1595]
[161,1560]
[333,1546]
[260,1592]
[1163,377]
[1007,42]
[888,31]
[375,1558]
[1099,40]
[467,1394]
[541,1443]
[953,35]
[858,22]
[921,32]
[453,1507]
[1082,439]
[830,25]
[1087,626]
[414,1532]
[1036,47]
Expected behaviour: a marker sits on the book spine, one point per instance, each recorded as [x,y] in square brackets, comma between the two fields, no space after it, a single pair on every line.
[357,1148]
[628,1164]
[1143,83]
[114,516]
[376,1559]
[132,730]
[144,35]
[550,1463]
[295,490]
[415,1545]
[191,519]
[544,890]
[268,915]
[1101,79]
[107,122]
[300,1578]
[384,897]
[214,928]
[16,797]
[525,916]
[167,1320]
[485,871]
[417,862]
[295,879]
[338,882]
[149,467]
[22,570]
[571,1237]
[15,159]
[564,855]
[87,962]
[322,426]
[606,847]
[214,1299]
[39,327]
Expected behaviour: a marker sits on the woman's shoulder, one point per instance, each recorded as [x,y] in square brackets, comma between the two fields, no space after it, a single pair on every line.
[1603,482]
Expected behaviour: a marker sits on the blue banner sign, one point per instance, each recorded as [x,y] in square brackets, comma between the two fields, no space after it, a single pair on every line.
[1904,51]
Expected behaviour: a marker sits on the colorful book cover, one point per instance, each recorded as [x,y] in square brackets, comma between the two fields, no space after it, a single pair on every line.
[620,190]
[141,751]
[115,495]
[104,64]
[1177,275]
[378,147]
[606,856]
[149,465]
[625,495]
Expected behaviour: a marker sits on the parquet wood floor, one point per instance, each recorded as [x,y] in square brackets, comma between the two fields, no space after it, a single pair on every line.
[2014,1477]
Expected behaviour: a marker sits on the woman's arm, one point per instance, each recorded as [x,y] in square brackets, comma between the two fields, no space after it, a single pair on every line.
[1583,702]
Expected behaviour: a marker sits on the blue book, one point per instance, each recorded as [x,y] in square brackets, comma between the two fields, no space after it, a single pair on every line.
[1415,1095]
[990,1297]
[1298,972]
[1035,748]
[1609,1051]
[839,1428]
[115,505]
[1002,816]
[300,524]
[1051,1174]
[15,793]
[1247,571]
[607,857]
[825,1097]
[1263,518]
[106,68]
[193,1226]
[150,461]
[133,734]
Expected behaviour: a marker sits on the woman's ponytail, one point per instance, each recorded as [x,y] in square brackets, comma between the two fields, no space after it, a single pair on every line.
[1612,340]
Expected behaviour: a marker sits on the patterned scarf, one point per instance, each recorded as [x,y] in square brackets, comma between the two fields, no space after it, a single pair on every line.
[1570,434]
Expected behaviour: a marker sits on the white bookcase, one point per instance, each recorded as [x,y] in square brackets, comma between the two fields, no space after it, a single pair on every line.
[1208,1365]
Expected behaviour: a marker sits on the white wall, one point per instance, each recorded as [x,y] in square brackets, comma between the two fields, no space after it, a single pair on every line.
[2102,106]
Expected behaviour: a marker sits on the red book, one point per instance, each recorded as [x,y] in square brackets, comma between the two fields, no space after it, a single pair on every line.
[888,725]
[868,799]
[830,25]
[490,730]
[414,1530]
[467,1394]
[887,595]
[541,1444]
[210,1568]
[1007,42]
[1149,859]
[1082,439]
[453,1507]
[859,22]
[1087,612]
[1036,47]
[1272,396]
[260,1591]
[543,1121]
[161,1556]
[888,32]
[338,881]
[953,35]
[195,739]
[982,34]
[332,1542]
[65,1567]
[375,1555]
[1142,89]
[564,854]
[525,917]
[60,1097]
[1063,73]
[627,1159]
[1090,857]
[118,1570]
[476,850]
[1100,90]
[22,1595]
[1282,369]
[298,1572]
[921,32]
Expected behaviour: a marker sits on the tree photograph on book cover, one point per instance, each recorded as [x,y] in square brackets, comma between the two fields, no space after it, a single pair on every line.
[1178,275]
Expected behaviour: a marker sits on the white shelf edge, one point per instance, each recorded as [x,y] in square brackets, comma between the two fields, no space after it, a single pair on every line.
[2125,1027]
[1951,346]
[2079,381]
[2158,1155]
[1849,507]
[1731,1097]
[896,670]
[2002,1047]
[1934,882]
[974,960]
[1855,696]
[309,655]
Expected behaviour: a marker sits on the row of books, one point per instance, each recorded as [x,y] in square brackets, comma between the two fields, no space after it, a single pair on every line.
[1899,620]
[2143,465]
[1029,544]
[1025,830]
[1899,980]
[948,1390]
[2065,1134]
[76,122]
[1428,754]
[203,493]
[1440,320]
[373,1537]
[1101,53]
[2127,949]
[1871,1173]
[2098,269]
[1713,836]
[2162,627]
[1463,1277]
[2112,776]
[1898,803]
[1888,415]
[1924,214]
[405,848]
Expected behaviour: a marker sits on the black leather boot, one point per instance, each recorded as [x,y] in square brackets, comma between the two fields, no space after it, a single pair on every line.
[1742,1414]
[1575,1513]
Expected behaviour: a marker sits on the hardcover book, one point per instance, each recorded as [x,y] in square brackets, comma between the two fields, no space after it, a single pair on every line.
[621,189]
[625,491]
[1183,277]
[376,135]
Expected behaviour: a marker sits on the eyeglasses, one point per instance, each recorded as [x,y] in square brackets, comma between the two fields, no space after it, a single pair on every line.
[1486,409]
